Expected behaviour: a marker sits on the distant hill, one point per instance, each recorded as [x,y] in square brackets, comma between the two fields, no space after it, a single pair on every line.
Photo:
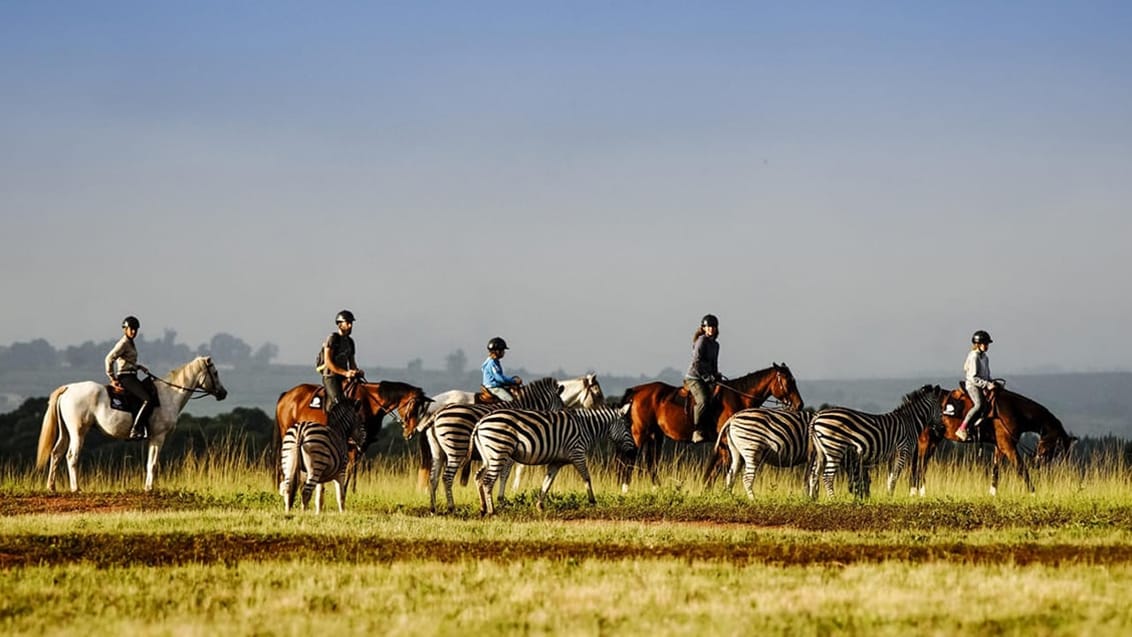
[1093,404]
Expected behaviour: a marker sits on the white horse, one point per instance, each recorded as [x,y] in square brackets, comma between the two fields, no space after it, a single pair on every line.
[583,391]
[74,408]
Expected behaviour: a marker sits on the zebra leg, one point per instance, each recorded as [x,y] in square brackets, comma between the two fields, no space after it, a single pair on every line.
[504,474]
[752,468]
[451,467]
[518,477]
[551,472]
[308,488]
[341,484]
[732,467]
[896,465]
[485,478]
[317,497]
[436,456]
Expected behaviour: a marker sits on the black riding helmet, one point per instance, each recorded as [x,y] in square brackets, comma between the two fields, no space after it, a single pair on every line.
[497,344]
[709,320]
[981,336]
[131,321]
[345,316]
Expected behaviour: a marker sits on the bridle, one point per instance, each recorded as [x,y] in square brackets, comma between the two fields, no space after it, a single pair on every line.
[195,392]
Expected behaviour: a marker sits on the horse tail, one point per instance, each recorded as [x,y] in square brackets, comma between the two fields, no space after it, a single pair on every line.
[715,464]
[627,398]
[49,431]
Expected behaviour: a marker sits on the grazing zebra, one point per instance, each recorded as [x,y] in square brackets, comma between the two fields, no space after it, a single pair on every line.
[449,432]
[554,439]
[845,436]
[757,435]
[321,452]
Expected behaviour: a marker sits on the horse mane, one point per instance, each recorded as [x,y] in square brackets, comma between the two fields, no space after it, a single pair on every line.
[388,388]
[178,374]
[746,379]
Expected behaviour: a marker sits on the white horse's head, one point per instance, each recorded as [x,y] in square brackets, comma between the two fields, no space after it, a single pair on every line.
[201,374]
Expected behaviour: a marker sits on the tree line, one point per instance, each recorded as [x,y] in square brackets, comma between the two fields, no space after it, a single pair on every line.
[224,348]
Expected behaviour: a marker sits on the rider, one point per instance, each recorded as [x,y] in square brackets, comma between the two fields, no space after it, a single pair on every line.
[977,370]
[494,379]
[703,371]
[124,375]
[337,362]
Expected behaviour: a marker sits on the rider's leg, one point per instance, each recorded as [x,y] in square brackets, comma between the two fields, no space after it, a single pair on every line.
[333,385]
[976,395]
[699,391]
[501,393]
[131,384]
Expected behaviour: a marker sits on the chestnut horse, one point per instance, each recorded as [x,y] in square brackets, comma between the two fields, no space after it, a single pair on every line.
[1009,415]
[374,400]
[659,408]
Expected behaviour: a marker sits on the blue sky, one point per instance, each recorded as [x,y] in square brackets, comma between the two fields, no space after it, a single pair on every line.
[852,188]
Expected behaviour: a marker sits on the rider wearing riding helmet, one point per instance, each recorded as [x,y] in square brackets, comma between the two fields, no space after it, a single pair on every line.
[337,361]
[124,375]
[976,369]
[703,372]
[494,379]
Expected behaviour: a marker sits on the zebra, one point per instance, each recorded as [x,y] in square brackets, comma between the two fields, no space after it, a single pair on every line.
[554,439]
[449,432]
[757,435]
[844,436]
[322,453]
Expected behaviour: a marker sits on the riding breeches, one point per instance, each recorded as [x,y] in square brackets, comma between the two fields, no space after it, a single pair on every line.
[133,386]
[976,395]
[333,385]
[702,394]
[501,393]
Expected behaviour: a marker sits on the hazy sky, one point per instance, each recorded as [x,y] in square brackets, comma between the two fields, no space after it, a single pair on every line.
[852,187]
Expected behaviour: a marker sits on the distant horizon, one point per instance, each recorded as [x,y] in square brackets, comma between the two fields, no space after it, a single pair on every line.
[853,191]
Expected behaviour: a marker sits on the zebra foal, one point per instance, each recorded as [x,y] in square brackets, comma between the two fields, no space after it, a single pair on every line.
[759,435]
[316,454]
[846,437]
[554,439]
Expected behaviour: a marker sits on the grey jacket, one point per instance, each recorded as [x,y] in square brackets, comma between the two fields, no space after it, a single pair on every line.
[705,359]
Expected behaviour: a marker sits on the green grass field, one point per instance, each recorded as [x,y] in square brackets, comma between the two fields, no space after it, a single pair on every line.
[211,552]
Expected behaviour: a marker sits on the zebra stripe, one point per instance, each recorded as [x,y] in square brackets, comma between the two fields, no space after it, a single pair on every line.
[759,435]
[842,435]
[321,452]
[554,439]
[450,431]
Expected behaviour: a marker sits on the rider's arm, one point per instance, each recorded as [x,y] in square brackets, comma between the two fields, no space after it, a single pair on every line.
[328,360]
[113,356]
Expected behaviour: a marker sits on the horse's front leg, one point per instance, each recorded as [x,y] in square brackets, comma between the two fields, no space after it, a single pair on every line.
[153,452]
[925,446]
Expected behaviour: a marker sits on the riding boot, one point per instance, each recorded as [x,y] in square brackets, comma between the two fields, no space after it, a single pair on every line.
[138,430]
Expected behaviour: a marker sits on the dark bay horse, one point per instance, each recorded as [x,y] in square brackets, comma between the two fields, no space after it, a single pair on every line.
[661,409]
[1009,415]
[374,400]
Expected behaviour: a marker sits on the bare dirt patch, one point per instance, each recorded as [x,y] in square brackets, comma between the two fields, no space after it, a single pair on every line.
[96,503]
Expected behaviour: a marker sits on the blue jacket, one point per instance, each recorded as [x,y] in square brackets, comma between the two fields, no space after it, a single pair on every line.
[493,375]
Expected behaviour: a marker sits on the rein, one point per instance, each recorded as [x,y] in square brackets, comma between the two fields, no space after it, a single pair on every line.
[769,396]
[194,392]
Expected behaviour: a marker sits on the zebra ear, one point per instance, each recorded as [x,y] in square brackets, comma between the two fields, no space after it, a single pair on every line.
[624,409]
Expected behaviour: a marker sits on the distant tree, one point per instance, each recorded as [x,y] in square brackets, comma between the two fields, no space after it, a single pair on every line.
[415,366]
[33,355]
[163,350]
[227,349]
[264,355]
[671,375]
[456,362]
[89,355]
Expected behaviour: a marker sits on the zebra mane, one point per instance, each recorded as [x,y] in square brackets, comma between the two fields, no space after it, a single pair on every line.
[542,383]
[917,395]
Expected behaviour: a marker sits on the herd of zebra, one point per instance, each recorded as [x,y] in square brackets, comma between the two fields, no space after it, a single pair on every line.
[540,427]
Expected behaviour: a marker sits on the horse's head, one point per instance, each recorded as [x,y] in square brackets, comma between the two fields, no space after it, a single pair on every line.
[1053,447]
[411,409]
[784,387]
[201,375]
[592,396]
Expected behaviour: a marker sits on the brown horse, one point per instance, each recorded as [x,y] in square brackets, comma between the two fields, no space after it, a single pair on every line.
[1008,416]
[659,408]
[374,401]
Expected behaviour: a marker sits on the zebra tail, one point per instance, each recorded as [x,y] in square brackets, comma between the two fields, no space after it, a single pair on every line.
[466,465]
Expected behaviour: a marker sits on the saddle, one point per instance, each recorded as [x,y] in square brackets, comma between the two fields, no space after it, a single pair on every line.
[987,411]
[122,400]
[484,396]
[350,391]
[684,398]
